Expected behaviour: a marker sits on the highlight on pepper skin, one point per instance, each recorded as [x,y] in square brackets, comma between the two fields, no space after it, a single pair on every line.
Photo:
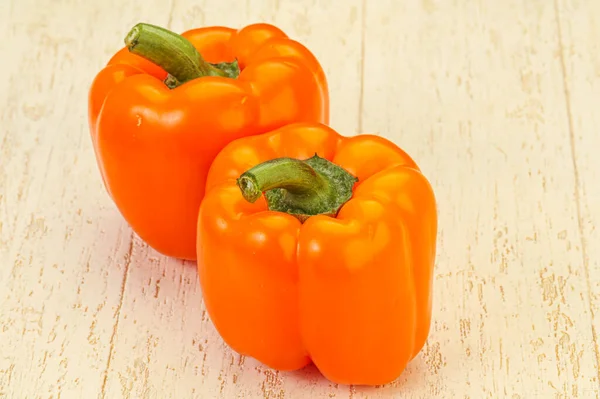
[166,104]
[315,247]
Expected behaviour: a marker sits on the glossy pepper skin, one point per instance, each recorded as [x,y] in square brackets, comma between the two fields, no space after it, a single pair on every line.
[154,145]
[350,292]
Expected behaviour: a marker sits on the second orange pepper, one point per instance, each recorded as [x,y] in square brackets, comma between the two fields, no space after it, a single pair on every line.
[317,247]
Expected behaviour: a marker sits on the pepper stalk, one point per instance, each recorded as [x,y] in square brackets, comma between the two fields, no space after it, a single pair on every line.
[175,54]
[302,189]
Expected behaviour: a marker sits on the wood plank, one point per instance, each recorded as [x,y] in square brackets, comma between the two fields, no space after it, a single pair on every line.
[62,246]
[474,90]
[580,60]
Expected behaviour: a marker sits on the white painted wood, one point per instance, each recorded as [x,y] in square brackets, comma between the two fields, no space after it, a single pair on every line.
[497,101]
[580,62]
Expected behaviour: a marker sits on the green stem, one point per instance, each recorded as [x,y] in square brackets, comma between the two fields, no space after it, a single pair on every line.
[301,188]
[175,54]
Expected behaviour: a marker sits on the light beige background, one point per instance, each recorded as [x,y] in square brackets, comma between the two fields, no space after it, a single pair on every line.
[498,101]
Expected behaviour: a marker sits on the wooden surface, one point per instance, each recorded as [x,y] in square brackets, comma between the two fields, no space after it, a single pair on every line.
[496,100]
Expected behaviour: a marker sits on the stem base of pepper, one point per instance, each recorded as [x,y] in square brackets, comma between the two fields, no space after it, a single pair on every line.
[302,189]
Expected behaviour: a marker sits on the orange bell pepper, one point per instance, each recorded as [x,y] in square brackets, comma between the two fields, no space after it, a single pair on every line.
[317,247]
[166,104]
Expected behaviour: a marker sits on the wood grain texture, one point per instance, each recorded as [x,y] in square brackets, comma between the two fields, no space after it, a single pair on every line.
[495,100]
[579,35]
